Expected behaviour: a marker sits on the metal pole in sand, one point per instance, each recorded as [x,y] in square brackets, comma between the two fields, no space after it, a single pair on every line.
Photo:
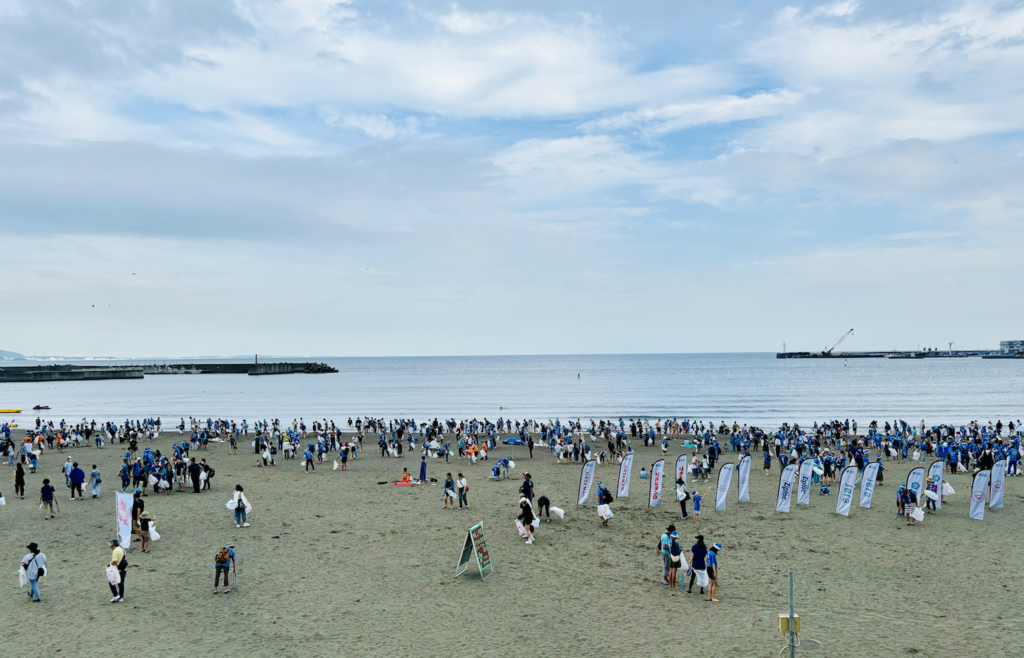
[792,623]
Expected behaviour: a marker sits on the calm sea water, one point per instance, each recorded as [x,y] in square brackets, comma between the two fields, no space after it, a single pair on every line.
[749,388]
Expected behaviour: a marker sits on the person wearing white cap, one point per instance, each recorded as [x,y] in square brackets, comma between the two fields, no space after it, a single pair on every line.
[712,566]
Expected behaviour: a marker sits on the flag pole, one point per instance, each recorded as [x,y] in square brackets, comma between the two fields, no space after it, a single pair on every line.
[792,623]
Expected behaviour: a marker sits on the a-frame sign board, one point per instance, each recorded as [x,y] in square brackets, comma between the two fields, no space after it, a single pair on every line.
[475,545]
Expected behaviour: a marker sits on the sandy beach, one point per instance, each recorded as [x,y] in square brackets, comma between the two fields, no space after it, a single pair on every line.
[335,563]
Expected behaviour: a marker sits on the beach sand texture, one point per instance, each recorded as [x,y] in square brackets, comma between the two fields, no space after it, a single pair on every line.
[336,564]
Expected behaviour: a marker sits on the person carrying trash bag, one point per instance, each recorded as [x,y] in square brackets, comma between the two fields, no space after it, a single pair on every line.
[116,571]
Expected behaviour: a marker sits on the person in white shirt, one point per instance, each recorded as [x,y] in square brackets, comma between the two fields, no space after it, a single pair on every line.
[34,564]
[463,489]
[241,506]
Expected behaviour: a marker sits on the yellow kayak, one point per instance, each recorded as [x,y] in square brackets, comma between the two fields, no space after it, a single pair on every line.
[10,411]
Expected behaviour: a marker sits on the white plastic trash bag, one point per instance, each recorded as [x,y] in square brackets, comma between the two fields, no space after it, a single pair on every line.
[335,465]
[702,577]
[113,577]
[604,511]
[202,476]
[536,522]
[302,463]
[3,501]
[511,464]
[521,528]
[947,489]
[232,504]
[164,484]
[22,577]
[558,511]
[153,534]
[917,514]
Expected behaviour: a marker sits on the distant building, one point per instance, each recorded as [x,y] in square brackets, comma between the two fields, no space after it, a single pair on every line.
[1015,346]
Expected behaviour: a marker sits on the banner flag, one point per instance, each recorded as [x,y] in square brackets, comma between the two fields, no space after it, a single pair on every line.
[586,481]
[867,484]
[847,483]
[724,481]
[744,479]
[657,472]
[998,482]
[803,492]
[936,470]
[680,470]
[785,489]
[124,518]
[625,472]
[915,483]
[978,489]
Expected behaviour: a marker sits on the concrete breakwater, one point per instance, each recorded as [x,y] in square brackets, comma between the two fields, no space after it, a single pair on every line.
[66,373]
[80,373]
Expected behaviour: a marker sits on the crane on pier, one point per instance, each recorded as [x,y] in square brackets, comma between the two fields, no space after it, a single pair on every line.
[828,350]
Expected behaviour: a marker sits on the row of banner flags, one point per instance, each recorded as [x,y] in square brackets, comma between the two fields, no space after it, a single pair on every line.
[984,481]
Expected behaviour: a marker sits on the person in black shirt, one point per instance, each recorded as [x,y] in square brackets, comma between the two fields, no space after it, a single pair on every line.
[526,490]
[194,470]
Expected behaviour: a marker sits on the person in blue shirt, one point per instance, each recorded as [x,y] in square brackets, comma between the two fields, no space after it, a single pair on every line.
[77,477]
[308,456]
[696,506]
[767,463]
[712,562]
[698,557]
[664,545]
[675,559]
[423,469]
[225,559]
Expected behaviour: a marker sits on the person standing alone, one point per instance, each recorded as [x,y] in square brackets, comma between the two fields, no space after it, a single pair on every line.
[225,560]
[35,568]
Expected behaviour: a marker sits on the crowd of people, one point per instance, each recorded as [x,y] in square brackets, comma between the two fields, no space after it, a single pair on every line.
[144,467]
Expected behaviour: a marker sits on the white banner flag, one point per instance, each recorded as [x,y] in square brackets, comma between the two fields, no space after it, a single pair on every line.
[681,470]
[803,490]
[867,484]
[915,483]
[625,472]
[724,481]
[744,479]
[586,481]
[935,471]
[998,482]
[785,489]
[847,483]
[978,489]
[657,473]
[124,518]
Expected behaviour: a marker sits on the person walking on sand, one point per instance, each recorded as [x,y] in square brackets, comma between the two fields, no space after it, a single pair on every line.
[225,560]
[526,517]
[696,506]
[712,562]
[19,481]
[119,560]
[675,552]
[94,482]
[47,498]
[423,469]
[664,545]
[241,505]
[34,564]
[77,477]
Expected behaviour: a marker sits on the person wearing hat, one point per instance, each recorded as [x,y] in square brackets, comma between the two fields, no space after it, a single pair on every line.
[225,559]
[145,520]
[119,560]
[712,562]
[34,564]
[675,555]
[526,489]
[664,545]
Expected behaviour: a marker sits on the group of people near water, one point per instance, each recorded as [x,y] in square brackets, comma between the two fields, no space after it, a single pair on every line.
[831,445]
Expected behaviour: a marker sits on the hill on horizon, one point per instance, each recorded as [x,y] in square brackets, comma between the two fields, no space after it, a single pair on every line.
[11,356]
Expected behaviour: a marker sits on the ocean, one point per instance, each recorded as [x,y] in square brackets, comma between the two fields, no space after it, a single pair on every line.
[755,389]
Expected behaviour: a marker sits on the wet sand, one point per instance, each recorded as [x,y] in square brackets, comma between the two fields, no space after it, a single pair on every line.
[335,563]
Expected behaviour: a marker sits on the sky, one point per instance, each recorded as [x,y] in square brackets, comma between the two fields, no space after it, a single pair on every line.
[312,177]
